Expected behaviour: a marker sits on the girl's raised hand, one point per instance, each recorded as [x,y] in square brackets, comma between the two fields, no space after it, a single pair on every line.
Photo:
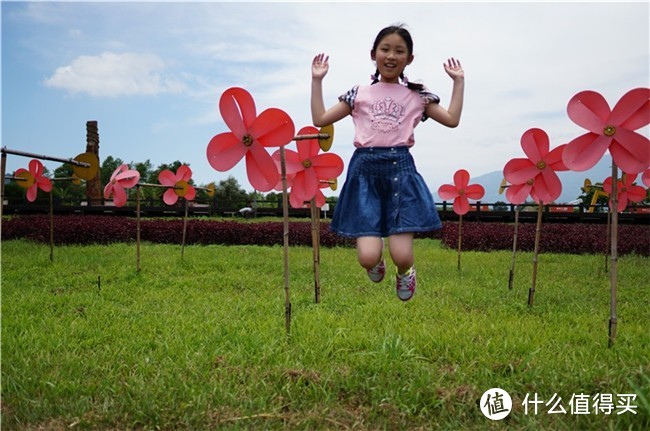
[319,66]
[454,69]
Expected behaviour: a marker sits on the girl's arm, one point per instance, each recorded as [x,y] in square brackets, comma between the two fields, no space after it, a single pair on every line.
[450,117]
[319,115]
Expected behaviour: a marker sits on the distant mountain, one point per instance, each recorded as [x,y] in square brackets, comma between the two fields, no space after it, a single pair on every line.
[571,182]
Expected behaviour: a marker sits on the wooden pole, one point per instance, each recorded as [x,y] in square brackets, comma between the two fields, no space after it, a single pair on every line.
[51,226]
[184,230]
[609,239]
[315,243]
[538,230]
[137,223]
[44,157]
[460,239]
[2,186]
[285,218]
[511,278]
[613,200]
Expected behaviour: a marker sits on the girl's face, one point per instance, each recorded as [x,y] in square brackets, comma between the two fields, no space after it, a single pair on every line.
[392,57]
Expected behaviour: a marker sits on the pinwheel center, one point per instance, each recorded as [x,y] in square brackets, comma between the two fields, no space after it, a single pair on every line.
[306,163]
[247,140]
[609,131]
[541,164]
[180,188]
[530,182]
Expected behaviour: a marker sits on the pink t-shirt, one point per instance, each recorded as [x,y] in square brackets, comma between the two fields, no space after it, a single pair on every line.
[385,115]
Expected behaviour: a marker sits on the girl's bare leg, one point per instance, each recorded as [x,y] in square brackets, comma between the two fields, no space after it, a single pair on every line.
[369,251]
[401,251]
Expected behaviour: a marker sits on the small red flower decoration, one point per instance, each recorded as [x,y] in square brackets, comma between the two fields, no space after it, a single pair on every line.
[33,179]
[613,129]
[249,136]
[122,178]
[535,175]
[461,191]
[178,184]
[627,191]
[308,169]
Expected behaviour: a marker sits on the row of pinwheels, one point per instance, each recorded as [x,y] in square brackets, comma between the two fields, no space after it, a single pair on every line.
[612,129]
[123,178]
[607,129]
[306,170]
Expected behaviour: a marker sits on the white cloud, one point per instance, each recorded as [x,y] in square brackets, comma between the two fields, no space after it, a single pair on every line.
[113,75]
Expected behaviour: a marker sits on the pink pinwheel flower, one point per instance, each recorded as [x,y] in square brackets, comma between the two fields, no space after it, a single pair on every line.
[178,184]
[610,129]
[307,168]
[33,179]
[122,178]
[249,136]
[645,178]
[627,191]
[461,191]
[535,175]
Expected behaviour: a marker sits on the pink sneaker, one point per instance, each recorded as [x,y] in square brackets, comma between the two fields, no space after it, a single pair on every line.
[406,284]
[377,272]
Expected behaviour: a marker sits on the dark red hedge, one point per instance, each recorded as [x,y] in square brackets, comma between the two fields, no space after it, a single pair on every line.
[482,236]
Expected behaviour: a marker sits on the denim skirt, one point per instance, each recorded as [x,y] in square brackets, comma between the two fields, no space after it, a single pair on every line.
[383,195]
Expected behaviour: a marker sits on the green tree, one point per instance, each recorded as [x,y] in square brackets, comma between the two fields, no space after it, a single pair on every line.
[108,167]
[67,190]
[500,206]
[229,194]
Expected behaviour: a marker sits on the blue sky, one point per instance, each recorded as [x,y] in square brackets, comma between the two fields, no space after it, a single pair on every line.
[151,73]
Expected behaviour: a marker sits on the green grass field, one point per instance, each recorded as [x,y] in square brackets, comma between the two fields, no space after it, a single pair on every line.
[200,342]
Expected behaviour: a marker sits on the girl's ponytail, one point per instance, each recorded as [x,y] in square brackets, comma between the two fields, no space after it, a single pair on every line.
[411,85]
[375,78]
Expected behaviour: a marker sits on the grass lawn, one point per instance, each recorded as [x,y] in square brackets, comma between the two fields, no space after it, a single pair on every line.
[200,342]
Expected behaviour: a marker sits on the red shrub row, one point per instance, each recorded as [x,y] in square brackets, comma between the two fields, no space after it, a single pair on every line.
[481,236]
[573,238]
[89,229]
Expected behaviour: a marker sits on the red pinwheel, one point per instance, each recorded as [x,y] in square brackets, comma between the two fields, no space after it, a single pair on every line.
[249,136]
[461,191]
[33,179]
[308,169]
[178,184]
[645,177]
[535,175]
[122,178]
[626,190]
[613,129]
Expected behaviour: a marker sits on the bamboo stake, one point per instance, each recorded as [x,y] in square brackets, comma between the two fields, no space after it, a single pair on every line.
[460,239]
[538,230]
[51,226]
[511,278]
[285,218]
[6,150]
[613,199]
[137,223]
[315,243]
[312,136]
[184,230]
[609,238]
[2,186]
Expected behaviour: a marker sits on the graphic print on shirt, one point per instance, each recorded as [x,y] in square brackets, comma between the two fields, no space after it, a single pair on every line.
[386,115]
